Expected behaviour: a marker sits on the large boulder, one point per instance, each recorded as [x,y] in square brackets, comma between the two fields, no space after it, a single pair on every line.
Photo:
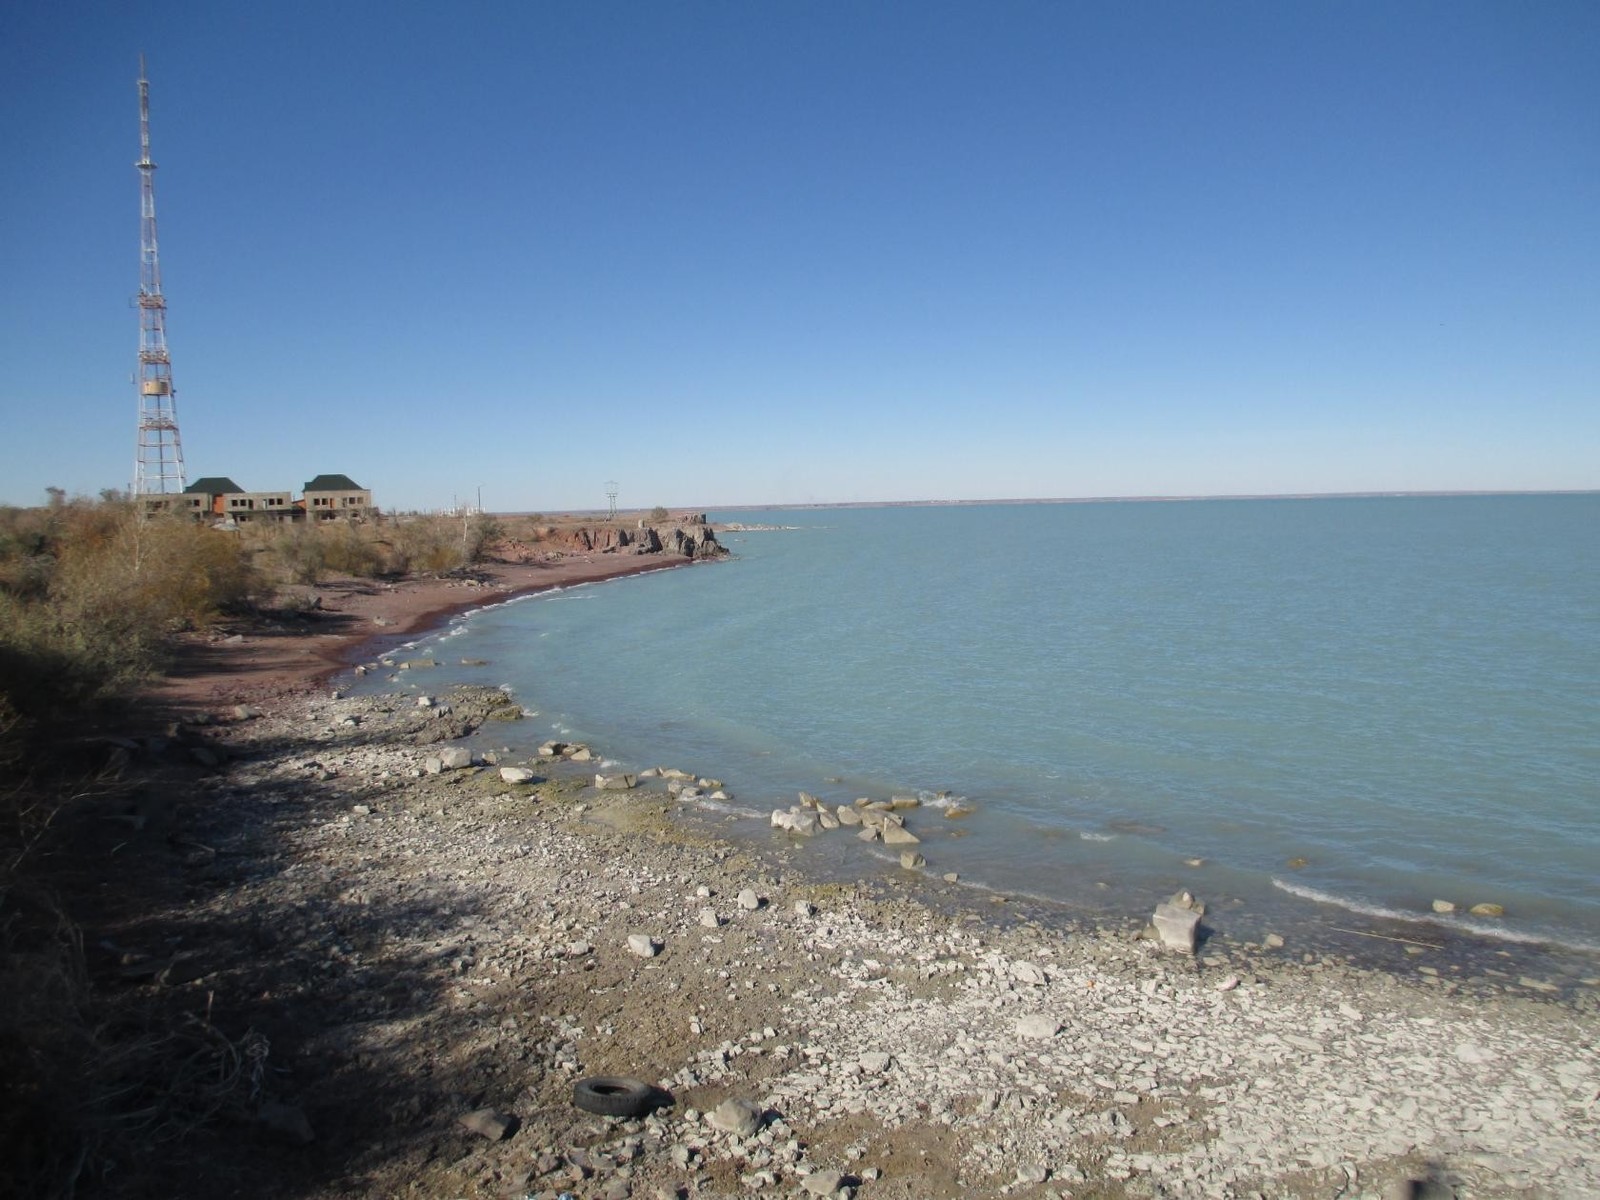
[1177,927]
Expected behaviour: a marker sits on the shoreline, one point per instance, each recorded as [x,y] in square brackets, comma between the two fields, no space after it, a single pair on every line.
[346,618]
[495,941]
[422,947]
[1451,954]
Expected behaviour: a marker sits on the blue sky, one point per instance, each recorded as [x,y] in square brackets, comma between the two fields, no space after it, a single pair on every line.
[783,252]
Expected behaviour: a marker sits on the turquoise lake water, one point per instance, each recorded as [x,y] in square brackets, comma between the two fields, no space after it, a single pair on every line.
[1404,693]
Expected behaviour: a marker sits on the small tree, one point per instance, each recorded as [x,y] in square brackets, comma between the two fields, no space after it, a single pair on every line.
[659,514]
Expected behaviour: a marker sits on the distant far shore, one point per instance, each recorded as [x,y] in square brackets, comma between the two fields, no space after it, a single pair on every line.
[1174,499]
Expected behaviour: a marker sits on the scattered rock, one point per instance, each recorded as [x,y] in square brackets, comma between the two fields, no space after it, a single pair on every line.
[614,783]
[823,1183]
[1487,910]
[486,1122]
[739,1117]
[1029,973]
[910,860]
[1038,1025]
[1443,906]
[748,900]
[517,775]
[875,1062]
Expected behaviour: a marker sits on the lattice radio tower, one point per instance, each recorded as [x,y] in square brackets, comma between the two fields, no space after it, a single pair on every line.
[158,470]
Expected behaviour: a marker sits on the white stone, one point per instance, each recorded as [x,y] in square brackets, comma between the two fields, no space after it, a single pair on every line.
[823,1183]
[643,945]
[1177,926]
[709,918]
[739,1117]
[1028,973]
[1038,1025]
[875,1062]
[516,774]
[748,900]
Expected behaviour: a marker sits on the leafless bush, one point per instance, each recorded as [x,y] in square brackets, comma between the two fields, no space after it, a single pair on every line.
[90,590]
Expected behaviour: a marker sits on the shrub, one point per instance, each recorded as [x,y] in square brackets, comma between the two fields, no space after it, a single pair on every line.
[298,554]
[87,609]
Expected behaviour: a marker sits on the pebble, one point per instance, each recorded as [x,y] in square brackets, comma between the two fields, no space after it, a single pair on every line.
[1040,1054]
[643,945]
[736,1116]
[823,1183]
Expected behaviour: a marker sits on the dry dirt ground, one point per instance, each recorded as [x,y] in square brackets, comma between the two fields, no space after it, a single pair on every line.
[348,949]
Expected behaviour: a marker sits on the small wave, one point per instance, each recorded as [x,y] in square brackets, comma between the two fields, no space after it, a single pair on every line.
[978,885]
[1497,933]
[727,806]
[1317,896]
[941,800]
[1097,837]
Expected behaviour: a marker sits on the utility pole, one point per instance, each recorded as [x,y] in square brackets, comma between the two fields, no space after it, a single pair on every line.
[158,466]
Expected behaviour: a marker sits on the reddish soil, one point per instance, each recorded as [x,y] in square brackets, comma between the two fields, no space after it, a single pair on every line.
[324,628]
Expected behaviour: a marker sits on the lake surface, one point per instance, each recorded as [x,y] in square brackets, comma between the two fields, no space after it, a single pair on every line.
[1404,693]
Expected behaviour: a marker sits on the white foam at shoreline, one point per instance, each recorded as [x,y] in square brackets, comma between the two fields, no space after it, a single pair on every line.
[1497,933]
[1097,837]
[723,806]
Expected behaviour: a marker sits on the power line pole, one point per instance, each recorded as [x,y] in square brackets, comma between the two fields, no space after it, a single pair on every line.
[611,496]
[158,467]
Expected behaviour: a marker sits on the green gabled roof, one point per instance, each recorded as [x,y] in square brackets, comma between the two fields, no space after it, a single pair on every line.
[333,483]
[212,485]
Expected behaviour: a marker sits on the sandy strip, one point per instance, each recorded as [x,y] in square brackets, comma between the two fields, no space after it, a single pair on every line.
[352,617]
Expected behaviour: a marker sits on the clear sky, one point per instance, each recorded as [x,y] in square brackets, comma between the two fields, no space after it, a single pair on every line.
[780,251]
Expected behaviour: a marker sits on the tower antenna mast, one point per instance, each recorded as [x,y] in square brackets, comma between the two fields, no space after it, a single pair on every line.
[158,469]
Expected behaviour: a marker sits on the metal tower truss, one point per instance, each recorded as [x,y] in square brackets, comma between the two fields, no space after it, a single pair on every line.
[158,470]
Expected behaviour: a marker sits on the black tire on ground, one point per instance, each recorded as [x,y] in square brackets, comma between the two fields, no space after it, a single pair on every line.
[611,1096]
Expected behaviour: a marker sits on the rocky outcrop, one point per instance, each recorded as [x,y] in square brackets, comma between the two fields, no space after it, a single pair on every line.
[692,538]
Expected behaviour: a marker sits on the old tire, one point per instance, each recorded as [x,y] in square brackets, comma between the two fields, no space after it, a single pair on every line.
[612,1096]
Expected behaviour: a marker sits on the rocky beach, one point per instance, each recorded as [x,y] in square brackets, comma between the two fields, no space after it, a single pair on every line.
[415,948]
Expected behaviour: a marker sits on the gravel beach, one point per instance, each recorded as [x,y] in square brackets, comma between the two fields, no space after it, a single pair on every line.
[402,952]
[425,958]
